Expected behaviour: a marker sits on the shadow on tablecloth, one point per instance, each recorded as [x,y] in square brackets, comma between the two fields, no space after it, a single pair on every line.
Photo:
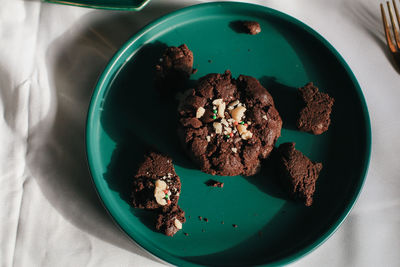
[369,21]
[58,160]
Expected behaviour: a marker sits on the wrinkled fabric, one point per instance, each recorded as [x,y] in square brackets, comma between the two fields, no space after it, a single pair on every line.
[50,58]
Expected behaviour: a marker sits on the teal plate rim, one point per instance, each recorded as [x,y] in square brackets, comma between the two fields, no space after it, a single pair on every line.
[80,3]
[366,160]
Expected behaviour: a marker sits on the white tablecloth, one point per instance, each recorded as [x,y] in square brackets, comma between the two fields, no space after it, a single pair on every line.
[50,57]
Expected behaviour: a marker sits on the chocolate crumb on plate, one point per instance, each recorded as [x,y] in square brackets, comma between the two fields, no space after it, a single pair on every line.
[214,183]
[186,234]
[247,27]
[298,172]
[205,219]
[251,27]
[315,116]
[200,218]
[234,225]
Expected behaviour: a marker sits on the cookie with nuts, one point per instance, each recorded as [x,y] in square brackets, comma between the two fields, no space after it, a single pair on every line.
[156,184]
[170,219]
[229,125]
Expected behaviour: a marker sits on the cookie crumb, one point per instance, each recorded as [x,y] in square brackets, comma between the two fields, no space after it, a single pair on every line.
[234,225]
[251,27]
[194,71]
[209,61]
[222,222]
[186,234]
[214,183]
[200,218]
[205,219]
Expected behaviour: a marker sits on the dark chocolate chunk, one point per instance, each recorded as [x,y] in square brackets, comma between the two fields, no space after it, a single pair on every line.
[239,124]
[298,172]
[315,116]
[156,183]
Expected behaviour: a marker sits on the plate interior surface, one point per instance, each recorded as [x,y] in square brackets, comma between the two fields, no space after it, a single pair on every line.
[127,116]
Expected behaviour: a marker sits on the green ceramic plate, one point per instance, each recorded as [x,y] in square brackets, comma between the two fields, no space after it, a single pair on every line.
[133,5]
[126,117]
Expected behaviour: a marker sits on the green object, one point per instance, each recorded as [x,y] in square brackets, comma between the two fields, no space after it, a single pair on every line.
[132,5]
[272,229]
[242,122]
[214,117]
[215,111]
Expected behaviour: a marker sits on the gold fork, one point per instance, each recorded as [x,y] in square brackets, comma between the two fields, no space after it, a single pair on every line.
[394,47]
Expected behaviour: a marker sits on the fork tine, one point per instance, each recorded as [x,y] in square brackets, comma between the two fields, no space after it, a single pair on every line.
[389,41]
[397,16]
[394,27]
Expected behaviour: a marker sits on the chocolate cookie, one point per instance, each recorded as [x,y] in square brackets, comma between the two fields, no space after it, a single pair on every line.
[315,116]
[175,67]
[298,172]
[155,184]
[229,125]
[251,27]
[170,220]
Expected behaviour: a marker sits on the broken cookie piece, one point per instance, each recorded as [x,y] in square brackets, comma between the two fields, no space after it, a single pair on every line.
[156,183]
[298,172]
[170,220]
[174,68]
[315,116]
